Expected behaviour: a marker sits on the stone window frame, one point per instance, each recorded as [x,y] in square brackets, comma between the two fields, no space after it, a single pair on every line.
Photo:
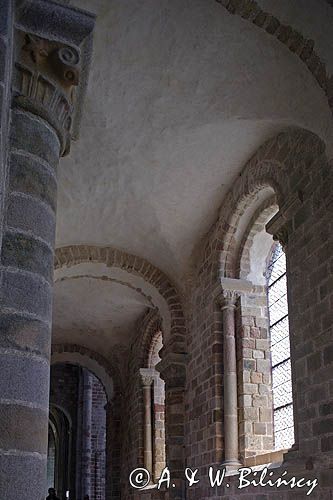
[284,164]
[153,390]
[254,364]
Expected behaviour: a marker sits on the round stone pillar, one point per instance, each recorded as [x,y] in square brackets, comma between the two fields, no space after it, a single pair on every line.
[231,451]
[45,79]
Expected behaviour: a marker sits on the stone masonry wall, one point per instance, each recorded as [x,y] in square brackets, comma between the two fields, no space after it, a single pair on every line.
[293,163]
[98,440]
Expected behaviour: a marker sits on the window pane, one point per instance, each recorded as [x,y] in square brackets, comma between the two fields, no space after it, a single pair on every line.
[279,331]
[280,350]
[278,309]
[282,395]
[281,373]
[284,427]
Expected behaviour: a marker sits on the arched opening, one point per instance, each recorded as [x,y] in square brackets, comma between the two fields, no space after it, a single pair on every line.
[77,433]
[59,459]
[263,345]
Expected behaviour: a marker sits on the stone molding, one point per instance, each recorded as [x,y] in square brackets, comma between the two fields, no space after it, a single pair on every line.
[302,47]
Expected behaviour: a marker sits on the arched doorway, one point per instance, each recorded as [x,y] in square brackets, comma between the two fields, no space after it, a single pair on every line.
[77,433]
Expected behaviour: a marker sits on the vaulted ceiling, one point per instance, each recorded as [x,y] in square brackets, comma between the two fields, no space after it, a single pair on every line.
[181,94]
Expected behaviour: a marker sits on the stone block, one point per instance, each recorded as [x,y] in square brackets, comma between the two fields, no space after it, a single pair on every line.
[26,428]
[326,409]
[29,176]
[259,428]
[24,252]
[323,427]
[24,333]
[31,472]
[28,214]
[34,136]
[263,365]
[328,355]
[24,378]
[26,293]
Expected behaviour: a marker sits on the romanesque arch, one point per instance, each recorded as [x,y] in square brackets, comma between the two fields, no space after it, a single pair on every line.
[279,167]
[105,371]
[292,39]
[165,298]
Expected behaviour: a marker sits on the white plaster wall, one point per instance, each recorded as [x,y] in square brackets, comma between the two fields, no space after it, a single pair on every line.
[312,18]
[181,94]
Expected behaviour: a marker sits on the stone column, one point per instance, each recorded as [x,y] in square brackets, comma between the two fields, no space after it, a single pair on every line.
[49,40]
[147,381]
[231,452]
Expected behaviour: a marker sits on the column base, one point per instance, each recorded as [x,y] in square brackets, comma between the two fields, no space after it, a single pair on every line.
[231,465]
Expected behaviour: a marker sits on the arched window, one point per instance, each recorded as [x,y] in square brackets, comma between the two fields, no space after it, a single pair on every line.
[280,350]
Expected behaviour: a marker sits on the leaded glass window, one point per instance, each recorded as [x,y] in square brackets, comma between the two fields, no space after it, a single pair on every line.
[280,350]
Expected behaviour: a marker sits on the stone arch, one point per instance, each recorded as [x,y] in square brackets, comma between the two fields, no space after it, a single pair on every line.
[256,245]
[279,167]
[92,361]
[173,316]
[155,347]
[292,39]
[173,365]
[294,167]
[150,324]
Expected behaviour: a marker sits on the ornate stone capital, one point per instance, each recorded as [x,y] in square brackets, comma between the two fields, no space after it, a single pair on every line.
[230,291]
[228,299]
[146,376]
[51,62]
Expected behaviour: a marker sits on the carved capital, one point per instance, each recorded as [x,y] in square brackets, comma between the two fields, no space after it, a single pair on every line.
[146,377]
[51,63]
[228,299]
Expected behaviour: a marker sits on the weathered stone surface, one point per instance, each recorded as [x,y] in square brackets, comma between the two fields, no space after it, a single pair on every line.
[31,134]
[21,251]
[29,176]
[16,384]
[26,293]
[31,216]
[31,475]
[24,333]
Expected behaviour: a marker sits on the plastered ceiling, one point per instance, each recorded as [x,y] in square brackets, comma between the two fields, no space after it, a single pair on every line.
[181,94]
